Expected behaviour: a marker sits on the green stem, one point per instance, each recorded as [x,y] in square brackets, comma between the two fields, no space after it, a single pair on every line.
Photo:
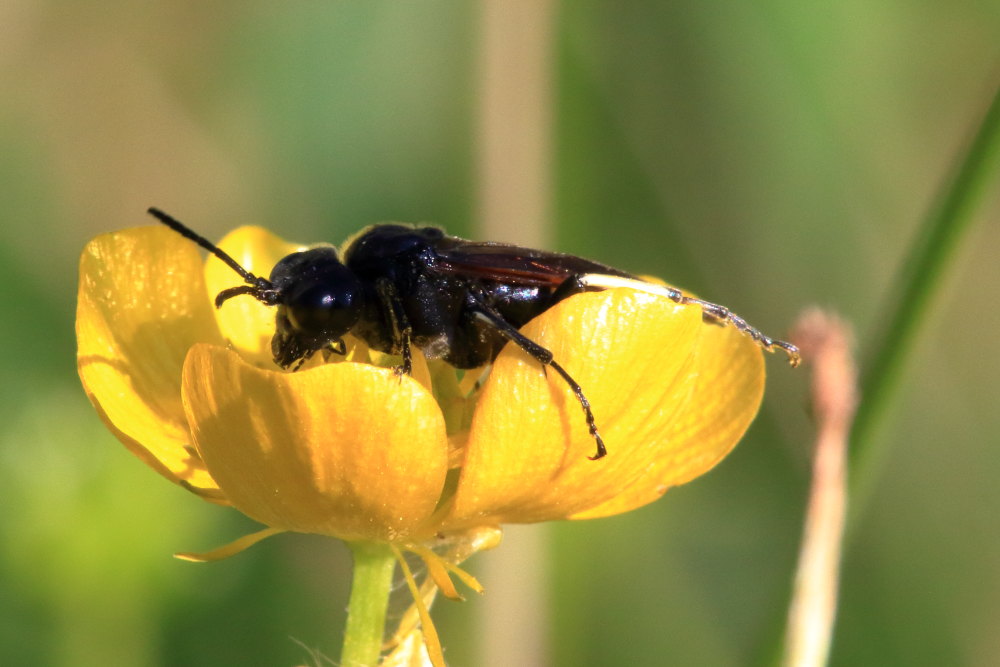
[917,283]
[373,567]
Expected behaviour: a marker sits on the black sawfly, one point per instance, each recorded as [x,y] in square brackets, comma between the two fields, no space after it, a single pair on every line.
[398,287]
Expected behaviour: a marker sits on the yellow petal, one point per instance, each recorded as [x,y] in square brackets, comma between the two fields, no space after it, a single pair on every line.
[632,353]
[347,449]
[728,379]
[246,323]
[141,305]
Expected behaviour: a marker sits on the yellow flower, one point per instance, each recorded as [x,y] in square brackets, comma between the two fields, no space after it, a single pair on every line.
[350,449]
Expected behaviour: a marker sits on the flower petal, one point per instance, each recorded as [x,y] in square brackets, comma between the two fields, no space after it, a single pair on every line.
[141,305]
[728,379]
[633,355]
[347,449]
[246,323]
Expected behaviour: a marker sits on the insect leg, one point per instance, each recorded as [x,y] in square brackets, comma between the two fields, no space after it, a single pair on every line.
[543,356]
[338,347]
[711,311]
[303,359]
[572,285]
[401,329]
[722,315]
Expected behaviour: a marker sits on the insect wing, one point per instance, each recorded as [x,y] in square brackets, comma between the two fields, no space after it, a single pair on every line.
[513,265]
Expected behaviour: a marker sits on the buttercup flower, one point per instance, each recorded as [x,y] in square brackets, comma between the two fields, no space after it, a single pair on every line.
[350,449]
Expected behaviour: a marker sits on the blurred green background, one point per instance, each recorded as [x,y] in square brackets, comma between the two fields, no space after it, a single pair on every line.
[768,155]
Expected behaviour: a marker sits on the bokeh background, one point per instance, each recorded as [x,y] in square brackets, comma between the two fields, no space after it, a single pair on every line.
[767,155]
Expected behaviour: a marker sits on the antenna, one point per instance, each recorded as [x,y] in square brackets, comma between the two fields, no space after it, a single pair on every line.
[188,233]
[260,288]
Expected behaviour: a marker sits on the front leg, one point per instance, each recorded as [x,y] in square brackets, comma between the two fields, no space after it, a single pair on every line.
[401,329]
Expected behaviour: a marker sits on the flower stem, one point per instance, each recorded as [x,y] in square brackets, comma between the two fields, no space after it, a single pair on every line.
[918,281]
[372,582]
[825,340]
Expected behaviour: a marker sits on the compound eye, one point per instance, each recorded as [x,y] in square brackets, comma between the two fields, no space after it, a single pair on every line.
[326,309]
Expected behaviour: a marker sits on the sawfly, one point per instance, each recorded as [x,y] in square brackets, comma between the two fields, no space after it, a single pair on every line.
[397,287]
